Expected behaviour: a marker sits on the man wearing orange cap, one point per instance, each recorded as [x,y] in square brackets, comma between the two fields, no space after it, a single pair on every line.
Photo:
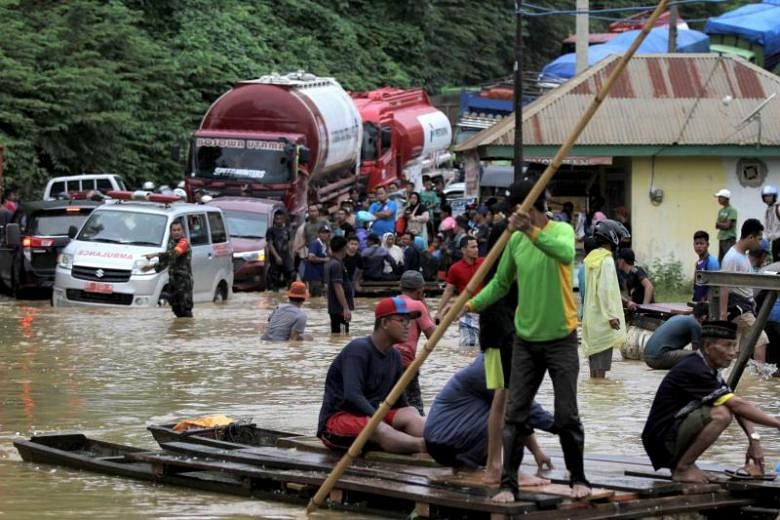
[360,378]
[288,320]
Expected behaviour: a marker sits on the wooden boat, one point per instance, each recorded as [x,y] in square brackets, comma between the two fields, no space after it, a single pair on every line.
[236,435]
[80,452]
[393,486]
[355,492]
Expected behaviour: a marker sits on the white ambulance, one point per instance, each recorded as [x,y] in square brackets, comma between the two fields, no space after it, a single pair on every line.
[103,263]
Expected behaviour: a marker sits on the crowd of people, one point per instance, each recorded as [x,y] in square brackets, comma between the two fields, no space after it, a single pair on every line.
[486,414]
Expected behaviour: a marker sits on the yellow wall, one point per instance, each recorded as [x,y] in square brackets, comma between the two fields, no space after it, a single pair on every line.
[666,230]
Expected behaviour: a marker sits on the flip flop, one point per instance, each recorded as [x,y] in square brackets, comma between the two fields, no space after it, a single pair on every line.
[743,474]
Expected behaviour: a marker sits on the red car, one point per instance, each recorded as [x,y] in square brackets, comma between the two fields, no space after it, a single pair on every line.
[248,220]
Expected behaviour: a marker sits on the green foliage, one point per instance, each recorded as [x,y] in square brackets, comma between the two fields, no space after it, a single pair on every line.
[110,86]
[669,283]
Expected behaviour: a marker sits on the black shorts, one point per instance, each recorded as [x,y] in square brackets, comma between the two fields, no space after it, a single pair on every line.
[443,454]
[338,325]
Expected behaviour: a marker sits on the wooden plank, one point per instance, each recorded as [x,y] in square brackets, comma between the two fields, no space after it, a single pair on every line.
[474,478]
[648,507]
[389,473]
[641,486]
[410,492]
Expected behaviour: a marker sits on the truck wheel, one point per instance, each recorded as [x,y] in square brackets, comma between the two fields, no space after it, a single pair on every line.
[221,292]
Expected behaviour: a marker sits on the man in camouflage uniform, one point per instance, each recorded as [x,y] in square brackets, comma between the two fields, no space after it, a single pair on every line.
[178,259]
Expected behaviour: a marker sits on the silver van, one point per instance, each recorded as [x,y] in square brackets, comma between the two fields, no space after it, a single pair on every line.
[102,264]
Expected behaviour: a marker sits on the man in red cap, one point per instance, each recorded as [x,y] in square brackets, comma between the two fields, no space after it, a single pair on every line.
[360,378]
[288,320]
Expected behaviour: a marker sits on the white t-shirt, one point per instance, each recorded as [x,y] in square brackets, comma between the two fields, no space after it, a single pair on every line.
[736,262]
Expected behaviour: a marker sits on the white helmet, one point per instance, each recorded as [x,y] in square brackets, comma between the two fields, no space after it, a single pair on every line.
[179,192]
[148,186]
[206,198]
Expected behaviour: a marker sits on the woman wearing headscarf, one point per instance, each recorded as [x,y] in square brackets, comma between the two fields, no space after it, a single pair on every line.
[395,252]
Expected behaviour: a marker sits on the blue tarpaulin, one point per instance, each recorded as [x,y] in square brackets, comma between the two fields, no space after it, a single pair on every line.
[656,42]
[756,23]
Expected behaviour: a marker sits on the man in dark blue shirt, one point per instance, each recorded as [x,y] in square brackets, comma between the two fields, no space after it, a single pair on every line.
[360,378]
[693,405]
[665,347]
[456,431]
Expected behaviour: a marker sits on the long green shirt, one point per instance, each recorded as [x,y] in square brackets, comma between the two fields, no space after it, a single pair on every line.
[724,215]
[542,267]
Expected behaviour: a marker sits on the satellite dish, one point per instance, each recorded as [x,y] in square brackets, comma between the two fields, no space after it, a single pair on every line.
[756,111]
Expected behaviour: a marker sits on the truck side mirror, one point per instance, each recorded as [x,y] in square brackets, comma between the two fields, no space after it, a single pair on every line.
[303,155]
[13,235]
[72,232]
[176,152]
[387,137]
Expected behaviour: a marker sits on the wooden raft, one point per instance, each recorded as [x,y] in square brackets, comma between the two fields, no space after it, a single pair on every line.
[396,485]
[391,483]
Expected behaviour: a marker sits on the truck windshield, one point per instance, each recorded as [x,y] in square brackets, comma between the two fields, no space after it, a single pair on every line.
[241,159]
[124,227]
[52,225]
[244,224]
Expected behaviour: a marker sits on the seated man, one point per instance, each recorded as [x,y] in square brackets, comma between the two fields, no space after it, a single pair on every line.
[374,258]
[693,405]
[456,430]
[360,378]
[638,286]
[288,321]
[665,347]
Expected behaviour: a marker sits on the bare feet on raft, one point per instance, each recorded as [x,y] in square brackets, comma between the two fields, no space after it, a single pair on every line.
[689,474]
[580,491]
[504,496]
[526,480]
[492,476]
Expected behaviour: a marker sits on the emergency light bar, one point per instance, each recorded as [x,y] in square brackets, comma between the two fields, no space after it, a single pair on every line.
[140,195]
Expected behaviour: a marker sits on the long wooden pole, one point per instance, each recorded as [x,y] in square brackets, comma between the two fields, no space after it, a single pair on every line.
[748,342]
[490,259]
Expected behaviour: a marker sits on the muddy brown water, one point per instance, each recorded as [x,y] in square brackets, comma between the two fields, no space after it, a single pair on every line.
[111,372]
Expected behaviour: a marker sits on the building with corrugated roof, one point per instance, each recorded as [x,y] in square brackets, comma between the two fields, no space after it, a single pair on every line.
[675,129]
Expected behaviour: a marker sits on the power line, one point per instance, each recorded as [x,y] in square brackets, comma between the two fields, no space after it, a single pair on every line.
[546,11]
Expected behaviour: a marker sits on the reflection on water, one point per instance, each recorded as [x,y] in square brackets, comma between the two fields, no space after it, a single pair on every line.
[109,373]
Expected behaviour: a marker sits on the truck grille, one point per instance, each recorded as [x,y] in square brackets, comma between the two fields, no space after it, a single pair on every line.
[78,295]
[100,274]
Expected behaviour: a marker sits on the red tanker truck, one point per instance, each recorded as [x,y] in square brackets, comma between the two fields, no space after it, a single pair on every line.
[301,138]
[402,134]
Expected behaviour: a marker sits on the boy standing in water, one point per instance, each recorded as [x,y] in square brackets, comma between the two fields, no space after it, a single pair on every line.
[603,321]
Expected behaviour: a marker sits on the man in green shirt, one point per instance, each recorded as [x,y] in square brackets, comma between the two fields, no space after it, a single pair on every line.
[726,223]
[539,257]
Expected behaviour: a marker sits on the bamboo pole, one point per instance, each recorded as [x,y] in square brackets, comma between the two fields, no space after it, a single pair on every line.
[479,275]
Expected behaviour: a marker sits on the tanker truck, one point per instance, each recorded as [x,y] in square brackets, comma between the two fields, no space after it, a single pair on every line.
[403,134]
[300,138]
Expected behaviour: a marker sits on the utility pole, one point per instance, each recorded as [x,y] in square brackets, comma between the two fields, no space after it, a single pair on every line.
[673,17]
[518,95]
[582,36]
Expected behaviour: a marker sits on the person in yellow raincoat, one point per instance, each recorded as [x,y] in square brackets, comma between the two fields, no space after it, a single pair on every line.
[603,321]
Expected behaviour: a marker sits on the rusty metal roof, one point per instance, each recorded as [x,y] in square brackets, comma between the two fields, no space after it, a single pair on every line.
[660,99]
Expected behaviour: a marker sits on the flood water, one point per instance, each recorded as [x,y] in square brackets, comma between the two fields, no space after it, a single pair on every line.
[111,372]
